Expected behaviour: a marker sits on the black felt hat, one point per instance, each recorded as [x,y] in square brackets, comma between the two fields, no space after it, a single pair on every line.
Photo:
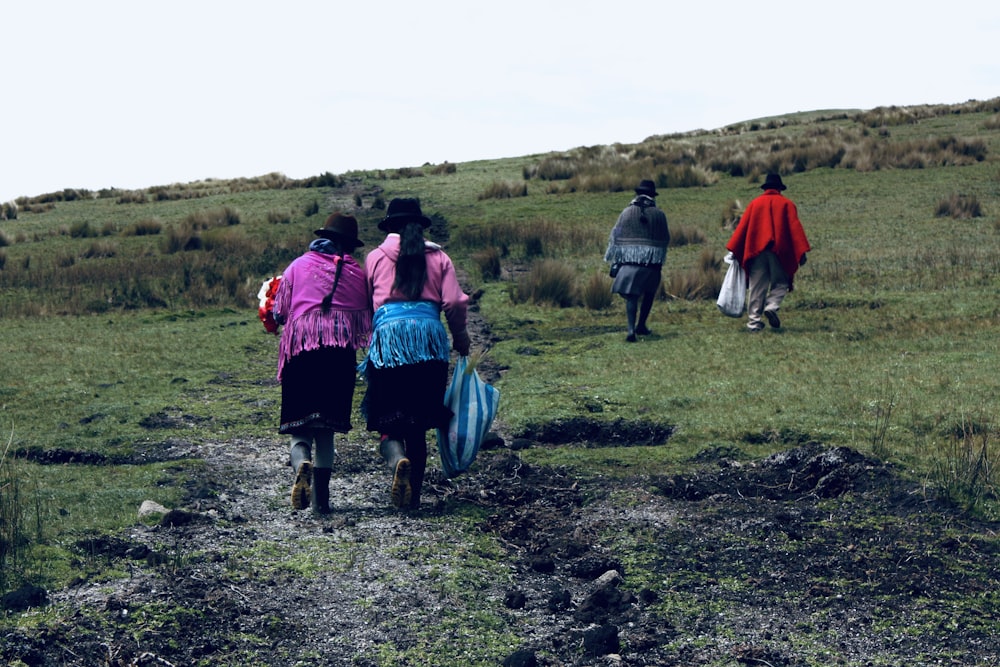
[773,182]
[401,211]
[341,226]
[646,187]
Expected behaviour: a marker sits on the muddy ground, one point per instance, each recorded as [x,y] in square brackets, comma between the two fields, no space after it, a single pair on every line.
[813,556]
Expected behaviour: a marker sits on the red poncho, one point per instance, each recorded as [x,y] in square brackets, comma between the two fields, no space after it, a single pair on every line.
[770,222]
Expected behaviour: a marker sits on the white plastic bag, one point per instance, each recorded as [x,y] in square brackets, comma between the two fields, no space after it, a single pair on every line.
[474,403]
[733,295]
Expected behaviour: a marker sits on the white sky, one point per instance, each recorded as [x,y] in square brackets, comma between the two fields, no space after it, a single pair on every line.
[136,93]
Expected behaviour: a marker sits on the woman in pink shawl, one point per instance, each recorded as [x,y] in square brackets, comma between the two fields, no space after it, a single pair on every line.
[325,310]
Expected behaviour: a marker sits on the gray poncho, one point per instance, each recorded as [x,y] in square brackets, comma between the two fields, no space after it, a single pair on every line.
[640,236]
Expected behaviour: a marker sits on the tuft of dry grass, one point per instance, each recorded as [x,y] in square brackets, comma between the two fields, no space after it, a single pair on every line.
[488,262]
[504,190]
[548,282]
[959,206]
[596,292]
[702,282]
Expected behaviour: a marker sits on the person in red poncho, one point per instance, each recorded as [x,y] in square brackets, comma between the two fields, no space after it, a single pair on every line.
[770,245]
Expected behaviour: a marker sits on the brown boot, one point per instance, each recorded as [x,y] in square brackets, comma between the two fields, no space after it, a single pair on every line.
[301,458]
[393,453]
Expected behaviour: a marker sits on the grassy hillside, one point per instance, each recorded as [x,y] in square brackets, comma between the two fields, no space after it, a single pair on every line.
[130,317]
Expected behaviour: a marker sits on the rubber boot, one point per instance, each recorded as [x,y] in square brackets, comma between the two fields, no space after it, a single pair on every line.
[416,451]
[301,457]
[320,497]
[393,453]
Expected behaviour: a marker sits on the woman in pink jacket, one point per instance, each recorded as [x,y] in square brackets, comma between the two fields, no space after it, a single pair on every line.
[412,282]
[324,306]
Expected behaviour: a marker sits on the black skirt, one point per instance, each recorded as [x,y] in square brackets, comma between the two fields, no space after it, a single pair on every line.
[317,390]
[636,279]
[406,398]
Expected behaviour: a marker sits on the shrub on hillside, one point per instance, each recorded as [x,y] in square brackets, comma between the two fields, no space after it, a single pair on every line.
[548,282]
[488,262]
[686,235]
[279,217]
[145,227]
[731,215]
[596,293]
[100,249]
[702,282]
[82,230]
[504,190]
[444,168]
[4,239]
[959,206]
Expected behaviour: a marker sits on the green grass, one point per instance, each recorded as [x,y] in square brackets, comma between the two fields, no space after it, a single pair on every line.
[118,354]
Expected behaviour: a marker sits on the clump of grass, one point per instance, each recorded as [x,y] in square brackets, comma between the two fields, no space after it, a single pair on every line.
[731,214]
[81,230]
[596,292]
[959,206]
[100,249]
[701,282]
[4,239]
[13,540]
[547,282]
[965,466]
[444,168]
[686,235]
[312,208]
[504,190]
[279,217]
[882,414]
[488,262]
[132,197]
[3,259]
[145,227]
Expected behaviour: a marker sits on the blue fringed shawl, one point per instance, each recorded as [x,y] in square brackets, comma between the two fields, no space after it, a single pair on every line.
[406,332]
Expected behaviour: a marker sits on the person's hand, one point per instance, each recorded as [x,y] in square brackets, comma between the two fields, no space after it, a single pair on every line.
[802,262]
[460,343]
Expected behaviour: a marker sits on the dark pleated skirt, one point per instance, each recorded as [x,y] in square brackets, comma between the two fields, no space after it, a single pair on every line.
[317,390]
[406,398]
[634,279]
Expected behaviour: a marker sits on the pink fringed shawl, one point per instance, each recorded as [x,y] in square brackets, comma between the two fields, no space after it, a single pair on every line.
[298,305]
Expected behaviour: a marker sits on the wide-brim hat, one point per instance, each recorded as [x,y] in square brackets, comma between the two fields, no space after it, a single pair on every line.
[402,210]
[773,182]
[342,227]
[646,187]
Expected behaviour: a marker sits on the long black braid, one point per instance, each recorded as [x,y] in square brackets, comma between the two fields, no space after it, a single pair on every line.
[411,267]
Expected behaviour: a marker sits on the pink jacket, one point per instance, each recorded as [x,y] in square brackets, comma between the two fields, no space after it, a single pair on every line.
[441,287]
[298,306]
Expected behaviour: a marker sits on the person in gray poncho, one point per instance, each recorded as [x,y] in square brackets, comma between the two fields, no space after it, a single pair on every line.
[636,250]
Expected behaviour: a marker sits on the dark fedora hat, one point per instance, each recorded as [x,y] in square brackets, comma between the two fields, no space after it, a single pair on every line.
[401,211]
[773,182]
[342,227]
[646,187]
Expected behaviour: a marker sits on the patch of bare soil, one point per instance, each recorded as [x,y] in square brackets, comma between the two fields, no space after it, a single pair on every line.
[812,556]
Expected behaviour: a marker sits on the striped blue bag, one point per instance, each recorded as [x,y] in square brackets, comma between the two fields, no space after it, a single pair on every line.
[474,403]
